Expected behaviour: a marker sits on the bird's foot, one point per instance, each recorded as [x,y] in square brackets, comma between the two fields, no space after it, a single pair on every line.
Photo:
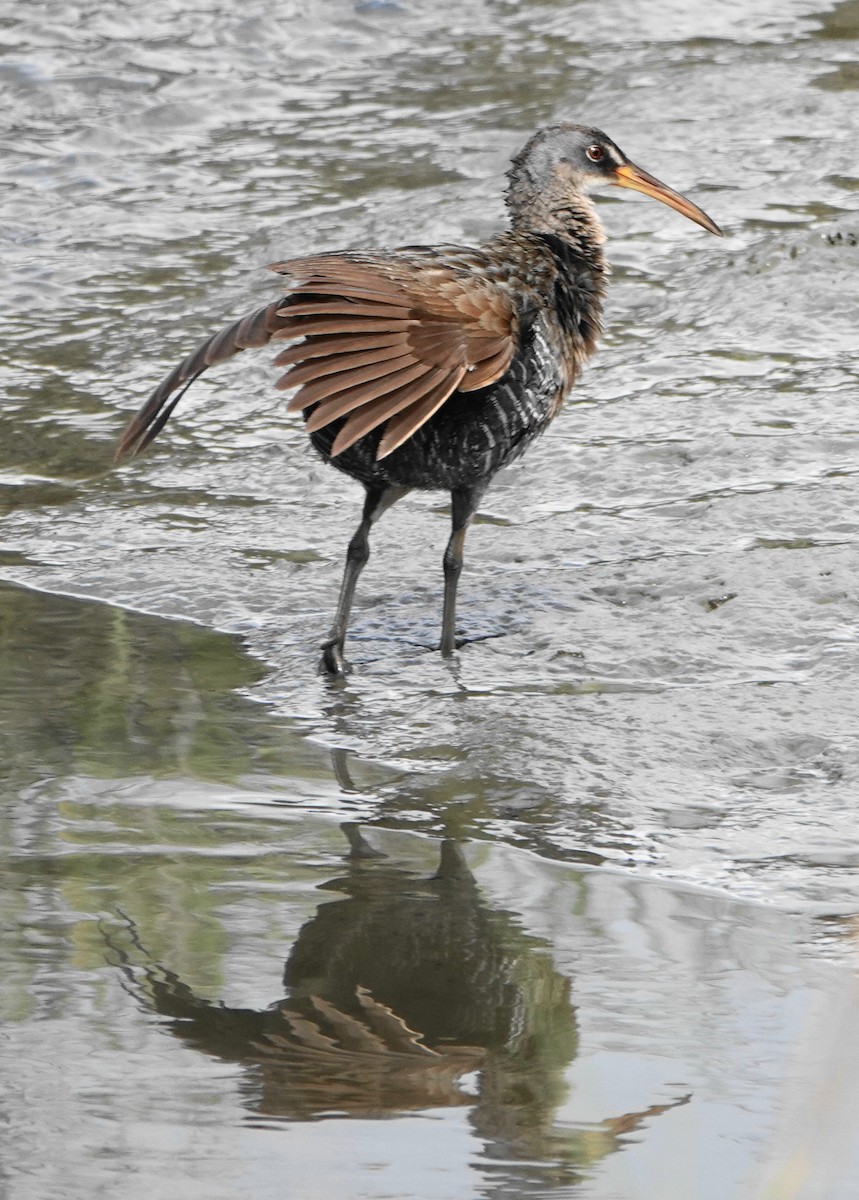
[332,661]
[461,640]
[450,643]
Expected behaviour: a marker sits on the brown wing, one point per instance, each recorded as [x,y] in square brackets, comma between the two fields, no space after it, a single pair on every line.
[387,341]
[384,339]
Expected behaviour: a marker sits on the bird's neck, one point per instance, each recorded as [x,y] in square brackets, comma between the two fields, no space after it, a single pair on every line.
[572,221]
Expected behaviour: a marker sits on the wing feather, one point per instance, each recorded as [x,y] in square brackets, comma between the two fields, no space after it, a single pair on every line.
[314,326]
[354,397]
[322,347]
[347,307]
[317,368]
[343,380]
[368,418]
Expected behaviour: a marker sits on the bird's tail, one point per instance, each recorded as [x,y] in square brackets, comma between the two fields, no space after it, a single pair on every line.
[252,331]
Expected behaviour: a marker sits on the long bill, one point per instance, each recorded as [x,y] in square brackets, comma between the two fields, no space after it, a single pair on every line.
[630,176]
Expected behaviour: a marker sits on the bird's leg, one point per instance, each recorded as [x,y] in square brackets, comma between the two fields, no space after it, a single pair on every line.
[377,501]
[463,506]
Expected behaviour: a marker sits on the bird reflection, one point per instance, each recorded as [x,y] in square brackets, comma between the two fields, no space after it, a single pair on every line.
[406,993]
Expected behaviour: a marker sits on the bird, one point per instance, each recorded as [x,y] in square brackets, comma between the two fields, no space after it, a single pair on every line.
[431,367]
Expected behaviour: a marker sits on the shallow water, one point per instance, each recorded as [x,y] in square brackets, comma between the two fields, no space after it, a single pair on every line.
[649,750]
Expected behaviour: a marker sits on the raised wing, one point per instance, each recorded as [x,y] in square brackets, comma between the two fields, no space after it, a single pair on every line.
[385,339]
[388,340]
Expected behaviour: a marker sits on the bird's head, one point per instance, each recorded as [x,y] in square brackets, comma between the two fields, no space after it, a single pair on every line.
[566,161]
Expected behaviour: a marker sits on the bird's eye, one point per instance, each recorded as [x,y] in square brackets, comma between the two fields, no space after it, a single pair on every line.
[594,152]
